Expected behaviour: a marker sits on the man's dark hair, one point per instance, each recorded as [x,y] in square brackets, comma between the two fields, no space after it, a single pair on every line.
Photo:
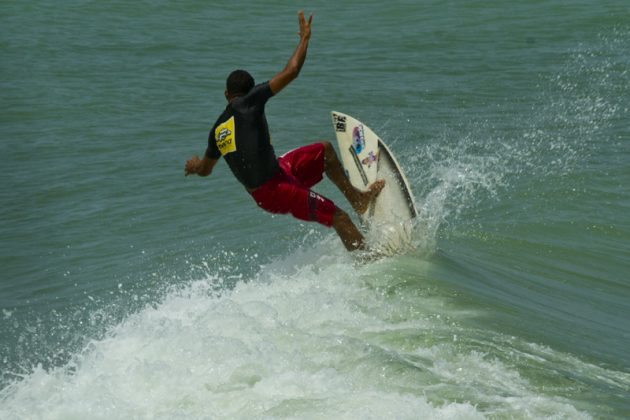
[239,82]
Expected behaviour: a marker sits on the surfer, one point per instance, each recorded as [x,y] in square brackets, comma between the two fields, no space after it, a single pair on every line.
[280,185]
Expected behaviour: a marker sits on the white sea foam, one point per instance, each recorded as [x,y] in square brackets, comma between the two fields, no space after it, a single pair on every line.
[321,339]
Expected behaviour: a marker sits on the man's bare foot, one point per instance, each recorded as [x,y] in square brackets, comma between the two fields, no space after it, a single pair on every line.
[366,197]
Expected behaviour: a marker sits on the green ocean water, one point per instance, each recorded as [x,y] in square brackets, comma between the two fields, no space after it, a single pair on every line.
[130,291]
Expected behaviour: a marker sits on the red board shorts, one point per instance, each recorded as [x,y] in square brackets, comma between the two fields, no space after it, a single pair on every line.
[290,190]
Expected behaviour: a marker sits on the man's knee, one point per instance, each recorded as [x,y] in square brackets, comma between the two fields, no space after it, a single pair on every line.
[330,155]
[328,147]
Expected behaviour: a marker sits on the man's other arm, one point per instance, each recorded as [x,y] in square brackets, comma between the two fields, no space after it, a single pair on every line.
[201,167]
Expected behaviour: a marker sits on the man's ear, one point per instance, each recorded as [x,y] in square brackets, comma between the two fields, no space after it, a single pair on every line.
[227,95]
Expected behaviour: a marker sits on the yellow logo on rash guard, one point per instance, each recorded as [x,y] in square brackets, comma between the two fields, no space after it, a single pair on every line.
[225,137]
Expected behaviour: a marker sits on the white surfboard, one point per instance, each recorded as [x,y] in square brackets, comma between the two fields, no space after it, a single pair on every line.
[366,158]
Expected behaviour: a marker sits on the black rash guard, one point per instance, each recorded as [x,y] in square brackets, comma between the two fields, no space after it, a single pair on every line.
[241,136]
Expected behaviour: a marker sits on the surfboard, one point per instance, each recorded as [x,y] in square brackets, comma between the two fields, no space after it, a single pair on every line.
[366,158]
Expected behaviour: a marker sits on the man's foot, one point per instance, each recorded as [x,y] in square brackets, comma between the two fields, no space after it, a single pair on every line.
[364,198]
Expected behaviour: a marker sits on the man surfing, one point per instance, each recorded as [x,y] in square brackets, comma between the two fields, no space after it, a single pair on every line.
[280,185]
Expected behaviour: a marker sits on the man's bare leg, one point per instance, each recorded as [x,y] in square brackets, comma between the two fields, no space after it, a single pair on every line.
[360,200]
[350,236]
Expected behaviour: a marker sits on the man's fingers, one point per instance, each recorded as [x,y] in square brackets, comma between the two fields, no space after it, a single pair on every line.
[188,168]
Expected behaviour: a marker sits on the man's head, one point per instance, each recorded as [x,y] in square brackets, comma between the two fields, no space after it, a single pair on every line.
[239,83]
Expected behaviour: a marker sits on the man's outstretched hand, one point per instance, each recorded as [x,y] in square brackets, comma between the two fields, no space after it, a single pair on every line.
[305,27]
[192,165]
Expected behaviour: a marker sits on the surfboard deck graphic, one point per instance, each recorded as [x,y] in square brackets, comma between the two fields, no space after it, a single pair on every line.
[366,158]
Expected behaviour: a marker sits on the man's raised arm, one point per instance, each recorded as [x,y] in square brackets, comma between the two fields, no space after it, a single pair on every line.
[295,63]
